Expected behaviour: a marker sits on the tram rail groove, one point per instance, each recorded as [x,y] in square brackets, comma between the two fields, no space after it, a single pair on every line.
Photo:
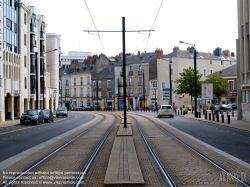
[92,157]
[164,171]
[244,183]
[10,182]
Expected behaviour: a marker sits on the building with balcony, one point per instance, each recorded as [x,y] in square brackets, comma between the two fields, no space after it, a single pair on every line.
[243,55]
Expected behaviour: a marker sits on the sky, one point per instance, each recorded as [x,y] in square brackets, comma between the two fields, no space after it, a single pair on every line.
[206,23]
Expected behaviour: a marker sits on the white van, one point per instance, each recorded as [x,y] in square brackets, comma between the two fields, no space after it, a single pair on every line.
[165,110]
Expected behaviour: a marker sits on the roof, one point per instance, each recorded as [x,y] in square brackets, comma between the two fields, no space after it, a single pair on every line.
[80,68]
[135,59]
[230,71]
[106,73]
[199,55]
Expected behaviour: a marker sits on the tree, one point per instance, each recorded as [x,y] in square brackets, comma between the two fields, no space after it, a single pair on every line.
[186,83]
[220,85]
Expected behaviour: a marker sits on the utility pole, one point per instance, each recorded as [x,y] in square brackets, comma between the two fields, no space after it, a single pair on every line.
[118,108]
[124,62]
[97,95]
[143,91]
[36,64]
[170,83]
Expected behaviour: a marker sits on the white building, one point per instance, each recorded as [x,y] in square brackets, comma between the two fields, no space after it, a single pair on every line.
[73,55]
[207,63]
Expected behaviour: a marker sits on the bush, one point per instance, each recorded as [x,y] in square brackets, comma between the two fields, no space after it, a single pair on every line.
[185,110]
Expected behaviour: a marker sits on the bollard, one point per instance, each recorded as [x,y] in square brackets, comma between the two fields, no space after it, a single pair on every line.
[213,117]
[218,118]
[222,118]
[199,113]
[181,111]
[178,112]
[232,113]
[227,112]
[205,116]
[209,116]
[228,119]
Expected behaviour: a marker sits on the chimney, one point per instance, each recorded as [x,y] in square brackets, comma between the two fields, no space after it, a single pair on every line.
[176,48]
[232,54]
[158,53]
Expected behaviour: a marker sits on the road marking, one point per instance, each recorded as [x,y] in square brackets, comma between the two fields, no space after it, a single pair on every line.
[240,135]
[227,131]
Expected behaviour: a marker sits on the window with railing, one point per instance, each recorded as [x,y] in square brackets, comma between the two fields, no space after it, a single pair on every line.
[88,80]
[75,92]
[94,84]
[74,81]
[109,95]
[131,91]
[81,81]
[140,81]
[154,84]
[140,90]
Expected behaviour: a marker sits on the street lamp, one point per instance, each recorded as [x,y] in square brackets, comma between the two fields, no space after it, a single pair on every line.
[43,76]
[195,80]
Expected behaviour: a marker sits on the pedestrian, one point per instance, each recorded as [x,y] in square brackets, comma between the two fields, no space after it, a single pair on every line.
[216,108]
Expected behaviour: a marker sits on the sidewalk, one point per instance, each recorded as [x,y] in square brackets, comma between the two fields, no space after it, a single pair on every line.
[9,123]
[234,122]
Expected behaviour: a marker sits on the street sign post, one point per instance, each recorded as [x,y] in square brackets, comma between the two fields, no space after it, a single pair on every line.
[166,94]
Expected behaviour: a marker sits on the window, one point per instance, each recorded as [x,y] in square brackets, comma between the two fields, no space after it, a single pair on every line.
[211,62]
[204,72]
[140,81]
[154,84]
[140,90]
[221,62]
[25,82]
[211,71]
[99,84]
[15,27]
[81,90]
[74,81]
[67,82]
[9,24]
[67,92]
[88,80]
[24,18]
[230,63]
[24,61]
[94,84]
[24,39]
[81,81]
[130,68]
[230,85]
[135,90]
[131,91]
[183,70]
[108,83]
[163,85]
[109,95]
[74,91]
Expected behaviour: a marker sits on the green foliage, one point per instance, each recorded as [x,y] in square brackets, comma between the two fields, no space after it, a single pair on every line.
[186,83]
[220,85]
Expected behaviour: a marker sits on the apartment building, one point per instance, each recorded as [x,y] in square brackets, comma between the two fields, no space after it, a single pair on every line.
[140,69]
[76,83]
[207,63]
[23,74]
[243,54]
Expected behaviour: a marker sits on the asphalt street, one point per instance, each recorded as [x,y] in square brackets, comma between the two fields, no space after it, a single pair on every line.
[232,141]
[25,137]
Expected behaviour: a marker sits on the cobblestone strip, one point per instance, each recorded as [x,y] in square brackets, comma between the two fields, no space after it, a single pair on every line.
[123,162]
[65,164]
[187,167]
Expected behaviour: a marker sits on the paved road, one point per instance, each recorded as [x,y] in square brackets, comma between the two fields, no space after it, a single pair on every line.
[15,142]
[230,140]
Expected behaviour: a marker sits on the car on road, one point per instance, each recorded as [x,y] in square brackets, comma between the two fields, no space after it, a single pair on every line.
[165,110]
[223,107]
[48,115]
[89,108]
[61,112]
[32,117]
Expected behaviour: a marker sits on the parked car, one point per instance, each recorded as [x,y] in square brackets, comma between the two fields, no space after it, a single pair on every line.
[61,111]
[165,110]
[89,108]
[223,107]
[32,117]
[48,115]
[234,106]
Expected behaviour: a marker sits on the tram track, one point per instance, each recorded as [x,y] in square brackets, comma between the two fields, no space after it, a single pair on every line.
[173,159]
[72,159]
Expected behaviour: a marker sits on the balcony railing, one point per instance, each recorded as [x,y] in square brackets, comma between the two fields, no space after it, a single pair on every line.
[88,95]
[74,95]
[67,95]
[74,84]
[121,74]
[108,86]
[130,73]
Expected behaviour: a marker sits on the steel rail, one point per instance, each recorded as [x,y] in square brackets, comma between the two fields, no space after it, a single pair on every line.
[162,168]
[202,156]
[86,167]
[50,154]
